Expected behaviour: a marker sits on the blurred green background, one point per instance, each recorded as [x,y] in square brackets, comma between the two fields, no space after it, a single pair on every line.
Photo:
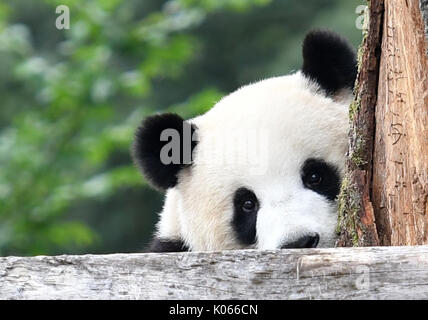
[70,101]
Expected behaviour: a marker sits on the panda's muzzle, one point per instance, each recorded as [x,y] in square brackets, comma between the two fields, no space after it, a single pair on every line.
[308,241]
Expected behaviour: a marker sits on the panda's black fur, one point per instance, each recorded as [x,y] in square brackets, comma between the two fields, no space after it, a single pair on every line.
[167,245]
[329,60]
[147,147]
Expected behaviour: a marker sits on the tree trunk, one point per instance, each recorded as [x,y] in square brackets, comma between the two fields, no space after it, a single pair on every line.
[383,200]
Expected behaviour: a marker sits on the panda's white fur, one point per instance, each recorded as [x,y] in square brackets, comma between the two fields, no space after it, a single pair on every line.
[301,123]
[257,144]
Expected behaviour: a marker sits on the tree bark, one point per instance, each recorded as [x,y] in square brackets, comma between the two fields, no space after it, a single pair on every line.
[356,217]
[383,200]
[424,10]
[335,273]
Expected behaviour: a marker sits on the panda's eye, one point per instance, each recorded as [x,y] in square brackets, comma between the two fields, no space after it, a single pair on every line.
[249,206]
[314,179]
[321,177]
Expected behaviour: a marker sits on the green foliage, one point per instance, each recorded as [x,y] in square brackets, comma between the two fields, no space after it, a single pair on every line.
[210,5]
[71,100]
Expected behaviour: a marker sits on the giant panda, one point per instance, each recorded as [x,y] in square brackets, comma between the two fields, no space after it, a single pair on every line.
[262,168]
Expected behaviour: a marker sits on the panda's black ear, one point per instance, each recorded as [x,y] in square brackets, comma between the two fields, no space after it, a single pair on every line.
[162,147]
[329,60]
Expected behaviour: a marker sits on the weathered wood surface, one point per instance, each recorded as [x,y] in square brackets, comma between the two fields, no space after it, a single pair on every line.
[400,158]
[337,273]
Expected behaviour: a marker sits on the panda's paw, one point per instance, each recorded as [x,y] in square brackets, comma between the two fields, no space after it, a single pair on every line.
[167,245]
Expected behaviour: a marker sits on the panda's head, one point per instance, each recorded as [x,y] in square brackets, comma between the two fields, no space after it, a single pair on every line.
[262,168]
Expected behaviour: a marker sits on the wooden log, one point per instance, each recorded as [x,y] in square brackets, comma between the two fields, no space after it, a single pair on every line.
[337,273]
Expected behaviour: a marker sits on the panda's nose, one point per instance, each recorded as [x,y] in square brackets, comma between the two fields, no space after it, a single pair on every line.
[308,241]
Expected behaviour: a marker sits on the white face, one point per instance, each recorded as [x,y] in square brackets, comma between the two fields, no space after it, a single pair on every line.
[273,179]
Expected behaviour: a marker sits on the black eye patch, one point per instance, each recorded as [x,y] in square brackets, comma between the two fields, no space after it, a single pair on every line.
[245,206]
[321,177]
